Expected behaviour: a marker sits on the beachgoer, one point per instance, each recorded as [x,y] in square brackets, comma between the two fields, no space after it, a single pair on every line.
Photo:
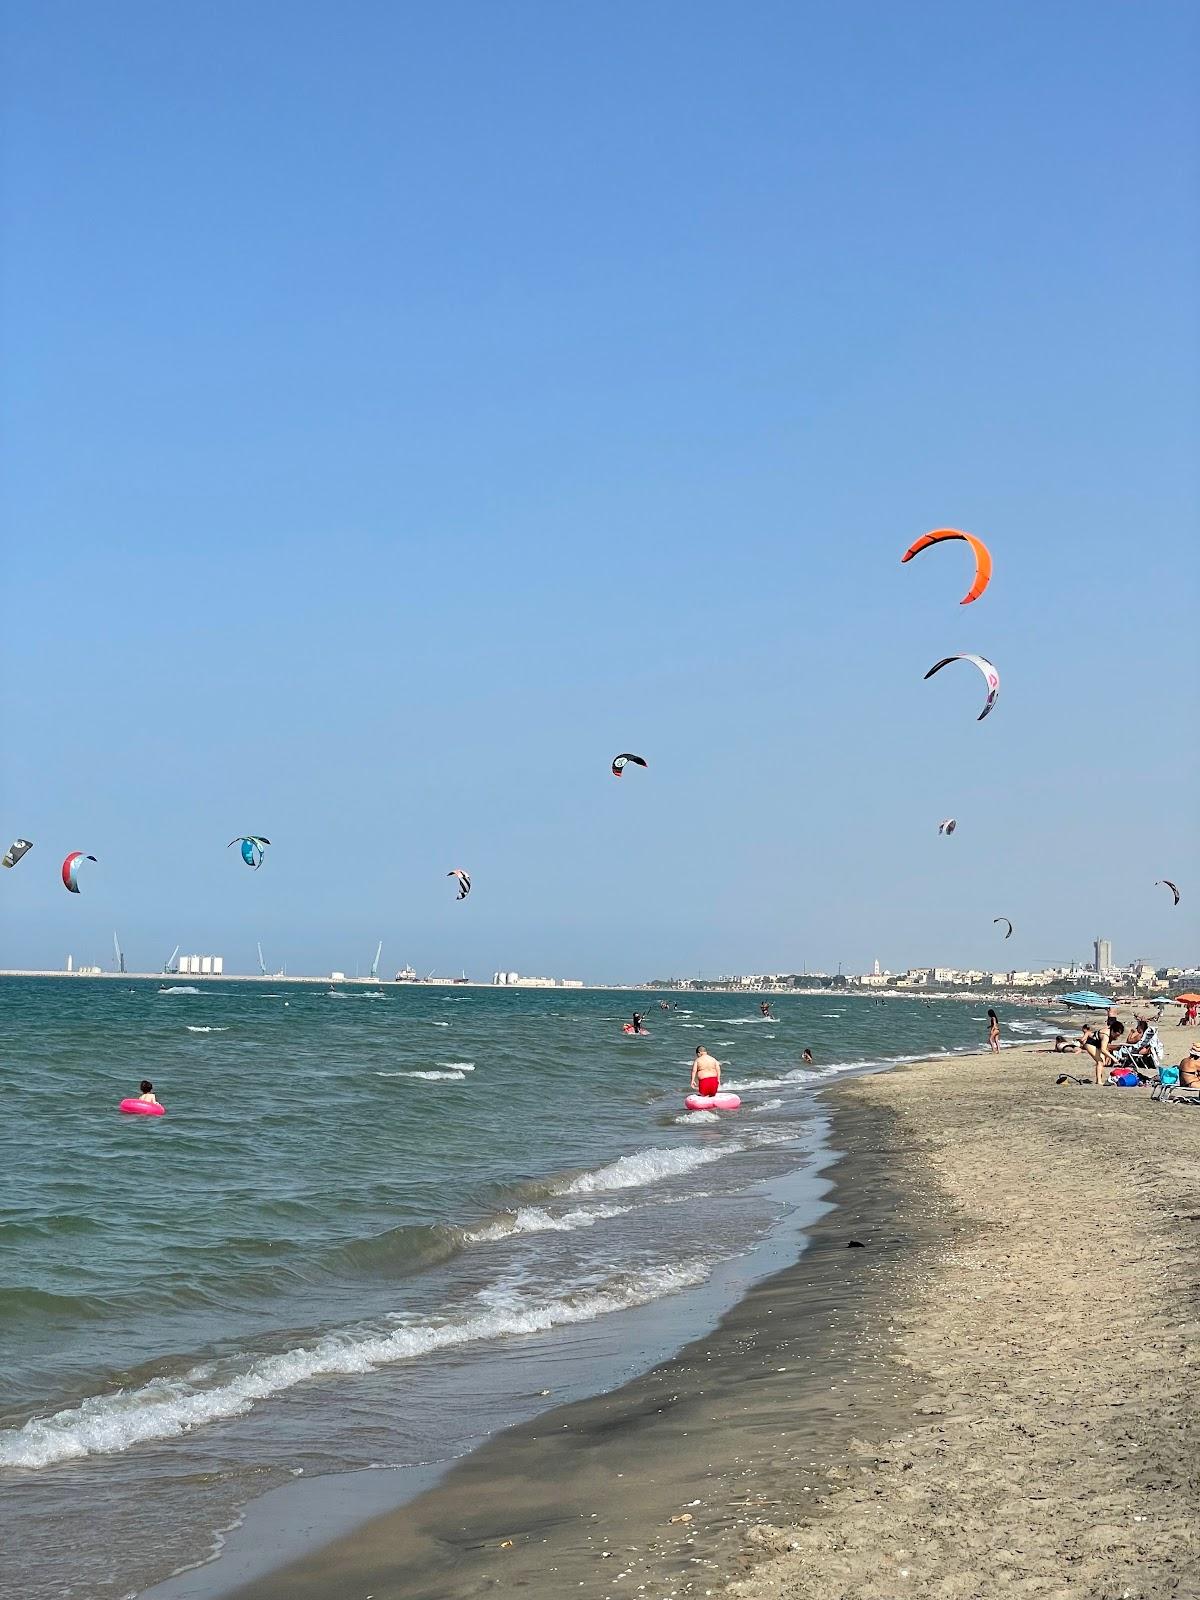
[993,1032]
[637,1022]
[148,1094]
[706,1072]
[807,1057]
[1189,1069]
[764,1007]
[1062,1047]
[1094,1043]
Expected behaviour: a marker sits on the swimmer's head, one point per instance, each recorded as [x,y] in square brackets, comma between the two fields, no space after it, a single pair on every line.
[147,1086]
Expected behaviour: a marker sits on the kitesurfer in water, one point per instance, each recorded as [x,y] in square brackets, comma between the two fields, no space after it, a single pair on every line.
[764,1007]
[637,1022]
[706,1073]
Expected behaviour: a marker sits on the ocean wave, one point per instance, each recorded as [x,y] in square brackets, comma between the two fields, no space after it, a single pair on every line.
[430,1077]
[698,1116]
[192,1028]
[184,988]
[533,1219]
[768,1105]
[644,1167]
[693,1024]
[458,1066]
[165,1408]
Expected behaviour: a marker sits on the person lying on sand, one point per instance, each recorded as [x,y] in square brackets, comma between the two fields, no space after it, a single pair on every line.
[706,1072]
[1062,1047]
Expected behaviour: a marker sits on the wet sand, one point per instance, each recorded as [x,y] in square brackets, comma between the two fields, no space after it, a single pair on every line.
[991,1397]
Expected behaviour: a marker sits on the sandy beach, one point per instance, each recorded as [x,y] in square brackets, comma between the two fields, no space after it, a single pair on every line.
[993,1396]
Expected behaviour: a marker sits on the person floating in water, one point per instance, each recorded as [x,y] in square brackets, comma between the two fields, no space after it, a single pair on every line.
[706,1073]
[637,1022]
[148,1095]
[807,1057]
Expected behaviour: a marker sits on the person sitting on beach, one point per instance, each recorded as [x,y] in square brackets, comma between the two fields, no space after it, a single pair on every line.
[1189,1069]
[148,1094]
[807,1057]
[706,1073]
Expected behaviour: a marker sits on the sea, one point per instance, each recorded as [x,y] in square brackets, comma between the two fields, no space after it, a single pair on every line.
[375,1225]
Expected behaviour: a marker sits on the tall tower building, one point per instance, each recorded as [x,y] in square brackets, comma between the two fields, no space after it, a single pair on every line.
[1103,949]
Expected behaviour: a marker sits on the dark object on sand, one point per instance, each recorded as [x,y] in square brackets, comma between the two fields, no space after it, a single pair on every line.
[1069,1077]
[856,1244]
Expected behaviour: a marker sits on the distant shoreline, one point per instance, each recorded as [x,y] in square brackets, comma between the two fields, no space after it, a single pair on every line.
[1020,997]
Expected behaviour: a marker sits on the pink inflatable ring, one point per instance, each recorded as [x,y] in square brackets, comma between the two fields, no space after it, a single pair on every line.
[142,1108]
[713,1102]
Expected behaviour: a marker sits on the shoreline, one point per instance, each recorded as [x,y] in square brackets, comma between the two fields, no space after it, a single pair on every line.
[993,1384]
[562,1486]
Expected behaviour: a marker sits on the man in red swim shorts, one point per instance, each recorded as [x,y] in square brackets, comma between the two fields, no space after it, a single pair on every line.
[706,1073]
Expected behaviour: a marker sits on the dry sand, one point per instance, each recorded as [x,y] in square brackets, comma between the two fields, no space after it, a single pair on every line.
[992,1398]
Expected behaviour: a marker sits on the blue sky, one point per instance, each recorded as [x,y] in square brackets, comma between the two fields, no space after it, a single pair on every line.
[404,410]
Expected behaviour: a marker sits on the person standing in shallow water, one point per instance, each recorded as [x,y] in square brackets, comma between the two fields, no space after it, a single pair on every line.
[706,1073]
[993,1032]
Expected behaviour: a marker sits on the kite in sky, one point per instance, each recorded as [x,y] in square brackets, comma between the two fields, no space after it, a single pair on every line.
[947,825]
[1006,923]
[70,867]
[15,851]
[983,558]
[991,676]
[253,848]
[1164,883]
[622,761]
[464,881]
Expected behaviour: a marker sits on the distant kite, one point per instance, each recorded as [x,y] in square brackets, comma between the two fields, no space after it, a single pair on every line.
[983,558]
[15,851]
[947,825]
[464,882]
[989,672]
[1006,923]
[1164,883]
[253,848]
[70,867]
[621,762]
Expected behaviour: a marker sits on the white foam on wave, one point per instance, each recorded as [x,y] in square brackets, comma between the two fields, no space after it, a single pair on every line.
[165,1408]
[183,988]
[192,1028]
[534,1219]
[645,1166]
[698,1116]
[428,1076]
[693,1024]
[458,1066]
[439,1024]
[768,1105]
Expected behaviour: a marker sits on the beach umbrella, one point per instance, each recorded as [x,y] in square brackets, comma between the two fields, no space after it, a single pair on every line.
[1186,1000]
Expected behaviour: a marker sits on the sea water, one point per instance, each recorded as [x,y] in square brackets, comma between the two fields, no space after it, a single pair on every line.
[359,1230]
